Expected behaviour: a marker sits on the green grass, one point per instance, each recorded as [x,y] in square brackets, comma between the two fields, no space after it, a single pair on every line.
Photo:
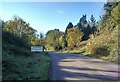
[33,66]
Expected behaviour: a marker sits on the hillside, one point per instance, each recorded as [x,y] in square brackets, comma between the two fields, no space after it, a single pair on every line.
[19,63]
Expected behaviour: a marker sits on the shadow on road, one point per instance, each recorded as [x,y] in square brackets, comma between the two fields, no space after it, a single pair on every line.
[85,75]
[88,69]
[59,72]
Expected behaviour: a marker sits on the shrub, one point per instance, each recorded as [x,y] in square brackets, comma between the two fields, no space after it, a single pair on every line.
[74,35]
[101,51]
[13,39]
[19,51]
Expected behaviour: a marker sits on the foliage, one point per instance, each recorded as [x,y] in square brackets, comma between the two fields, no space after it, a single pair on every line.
[103,37]
[73,36]
[111,13]
[115,16]
[70,25]
[52,39]
[14,40]
[62,41]
[18,62]
[19,28]
[87,27]
[105,45]
[39,40]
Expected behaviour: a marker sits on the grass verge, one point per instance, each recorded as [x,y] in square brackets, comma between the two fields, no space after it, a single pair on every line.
[24,66]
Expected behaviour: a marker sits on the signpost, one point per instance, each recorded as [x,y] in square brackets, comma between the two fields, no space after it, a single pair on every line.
[37,48]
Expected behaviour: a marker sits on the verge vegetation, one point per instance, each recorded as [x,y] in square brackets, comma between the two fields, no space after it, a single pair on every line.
[18,62]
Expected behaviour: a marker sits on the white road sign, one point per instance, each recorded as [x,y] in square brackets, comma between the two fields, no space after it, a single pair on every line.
[36,48]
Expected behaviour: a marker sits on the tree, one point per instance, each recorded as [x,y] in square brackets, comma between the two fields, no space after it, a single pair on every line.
[41,39]
[92,25]
[108,7]
[86,27]
[70,25]
[92,18]
[18,27]
[115,17]
[73,36]
[82,22]
[52,39]
[62,41]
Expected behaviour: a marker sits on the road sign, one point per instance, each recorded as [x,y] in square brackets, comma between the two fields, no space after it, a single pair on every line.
[37,48]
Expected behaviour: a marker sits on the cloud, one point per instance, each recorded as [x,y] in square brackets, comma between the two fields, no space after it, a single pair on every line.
[60,11]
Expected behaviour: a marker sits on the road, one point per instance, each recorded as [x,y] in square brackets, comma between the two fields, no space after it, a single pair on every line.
[67,66]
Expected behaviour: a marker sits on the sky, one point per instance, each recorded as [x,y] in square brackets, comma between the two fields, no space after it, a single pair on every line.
[44,16]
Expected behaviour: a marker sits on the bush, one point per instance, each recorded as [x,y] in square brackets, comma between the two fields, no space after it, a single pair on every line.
[74,35]
[19,51]
[104,46]
[101,51]
[13,39]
